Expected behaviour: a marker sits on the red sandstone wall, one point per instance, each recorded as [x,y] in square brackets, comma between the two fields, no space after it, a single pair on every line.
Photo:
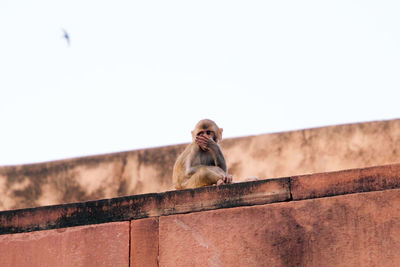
[352,230]
[93,245]
[347,218]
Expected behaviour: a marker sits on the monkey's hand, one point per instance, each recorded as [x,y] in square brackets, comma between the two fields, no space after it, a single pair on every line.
[206,143]
[226,180]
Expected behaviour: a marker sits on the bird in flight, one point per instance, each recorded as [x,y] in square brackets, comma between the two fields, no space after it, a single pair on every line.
[66,37]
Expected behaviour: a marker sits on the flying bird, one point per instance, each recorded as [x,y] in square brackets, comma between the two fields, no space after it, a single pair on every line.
[66,37]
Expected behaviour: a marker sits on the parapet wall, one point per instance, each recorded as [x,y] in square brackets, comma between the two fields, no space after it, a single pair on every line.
[149,170]
[344,218]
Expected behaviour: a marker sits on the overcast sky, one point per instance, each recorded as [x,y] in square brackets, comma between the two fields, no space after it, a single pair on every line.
[140,74]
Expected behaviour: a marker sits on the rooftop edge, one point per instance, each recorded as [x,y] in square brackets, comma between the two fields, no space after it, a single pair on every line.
[267,191]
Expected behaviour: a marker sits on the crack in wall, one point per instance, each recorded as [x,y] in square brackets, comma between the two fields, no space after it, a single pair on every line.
[215,259]
[130,243]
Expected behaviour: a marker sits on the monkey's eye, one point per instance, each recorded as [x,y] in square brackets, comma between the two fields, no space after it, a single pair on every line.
[208,132]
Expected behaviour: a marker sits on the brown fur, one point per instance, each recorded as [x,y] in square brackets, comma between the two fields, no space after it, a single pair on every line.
[202,162]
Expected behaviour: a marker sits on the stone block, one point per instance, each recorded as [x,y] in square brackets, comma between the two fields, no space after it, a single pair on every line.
[94,245]
[350,230]
[345,182]
[144,242]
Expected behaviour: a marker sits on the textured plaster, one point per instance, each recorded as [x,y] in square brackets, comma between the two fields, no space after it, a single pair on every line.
[149,170]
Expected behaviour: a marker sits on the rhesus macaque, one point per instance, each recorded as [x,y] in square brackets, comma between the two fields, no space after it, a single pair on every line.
[202,162]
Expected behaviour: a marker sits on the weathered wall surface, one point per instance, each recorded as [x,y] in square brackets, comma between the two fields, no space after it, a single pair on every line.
[345,218]
[87,178]
[94,245]
[315,150]
[352,230]
[149,170]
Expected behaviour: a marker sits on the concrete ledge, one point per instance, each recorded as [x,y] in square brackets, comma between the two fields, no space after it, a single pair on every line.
[143,206]
[201,199]
[345,182]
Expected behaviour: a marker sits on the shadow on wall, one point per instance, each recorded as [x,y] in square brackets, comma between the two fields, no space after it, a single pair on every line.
[149,170]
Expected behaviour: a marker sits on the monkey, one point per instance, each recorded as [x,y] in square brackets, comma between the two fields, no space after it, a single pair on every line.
[202,162]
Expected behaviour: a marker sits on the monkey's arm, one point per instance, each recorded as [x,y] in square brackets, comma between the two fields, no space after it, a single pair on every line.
[211,146]
[219,158]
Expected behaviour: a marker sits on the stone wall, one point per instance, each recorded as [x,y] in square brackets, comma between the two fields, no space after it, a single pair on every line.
[344,218]
[149,170]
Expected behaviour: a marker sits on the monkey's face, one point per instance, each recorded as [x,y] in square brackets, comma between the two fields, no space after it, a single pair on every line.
[207,133]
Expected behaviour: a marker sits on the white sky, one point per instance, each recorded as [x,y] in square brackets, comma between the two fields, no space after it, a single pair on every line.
[141,73]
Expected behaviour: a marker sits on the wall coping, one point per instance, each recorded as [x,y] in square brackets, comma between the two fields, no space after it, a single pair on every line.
[126,208]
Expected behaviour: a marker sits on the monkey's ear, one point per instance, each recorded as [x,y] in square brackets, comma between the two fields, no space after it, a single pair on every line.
[193,137]
[220,133]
